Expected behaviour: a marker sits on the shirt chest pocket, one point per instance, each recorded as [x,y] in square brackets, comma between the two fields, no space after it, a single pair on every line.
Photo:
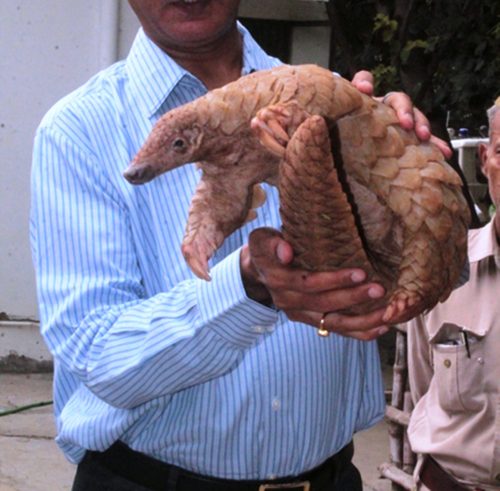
[459,370]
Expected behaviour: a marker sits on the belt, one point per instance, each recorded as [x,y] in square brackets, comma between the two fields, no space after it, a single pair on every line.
[437,479]
[160,476]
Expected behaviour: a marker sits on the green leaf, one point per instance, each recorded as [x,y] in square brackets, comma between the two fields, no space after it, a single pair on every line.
[411,45]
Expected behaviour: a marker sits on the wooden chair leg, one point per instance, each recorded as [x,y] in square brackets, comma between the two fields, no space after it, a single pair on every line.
[402,460]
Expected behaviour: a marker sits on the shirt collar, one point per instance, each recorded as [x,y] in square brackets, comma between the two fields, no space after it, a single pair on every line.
[483,243]
[154,75]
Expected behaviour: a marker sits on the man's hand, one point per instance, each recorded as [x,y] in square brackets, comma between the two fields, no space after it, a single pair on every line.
[308,297]
[409,116]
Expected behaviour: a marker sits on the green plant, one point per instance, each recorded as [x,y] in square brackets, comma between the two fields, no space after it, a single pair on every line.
[443,53]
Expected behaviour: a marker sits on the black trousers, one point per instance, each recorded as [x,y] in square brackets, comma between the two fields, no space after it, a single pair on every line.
[92,475]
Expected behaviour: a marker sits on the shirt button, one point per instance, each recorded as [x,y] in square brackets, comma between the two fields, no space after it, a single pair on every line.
[276,404]
[259,329]
[447,363]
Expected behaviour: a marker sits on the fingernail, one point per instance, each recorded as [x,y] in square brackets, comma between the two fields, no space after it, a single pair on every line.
[375,291]
[358,276]
[280,252]
[424,131]
[383,330]
[408,119]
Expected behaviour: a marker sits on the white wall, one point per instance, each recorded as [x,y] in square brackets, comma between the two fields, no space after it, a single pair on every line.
[310,45]
[48,48]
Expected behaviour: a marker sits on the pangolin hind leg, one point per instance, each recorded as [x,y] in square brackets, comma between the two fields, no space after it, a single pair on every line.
[415,289]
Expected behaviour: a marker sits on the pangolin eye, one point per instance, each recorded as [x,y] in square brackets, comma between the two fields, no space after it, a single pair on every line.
[179,144]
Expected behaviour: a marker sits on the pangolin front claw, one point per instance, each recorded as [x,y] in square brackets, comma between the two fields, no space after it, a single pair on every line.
[273,125]
[196,257]
[267,139]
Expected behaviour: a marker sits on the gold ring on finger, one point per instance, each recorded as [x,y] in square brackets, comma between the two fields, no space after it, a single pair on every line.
[322,331]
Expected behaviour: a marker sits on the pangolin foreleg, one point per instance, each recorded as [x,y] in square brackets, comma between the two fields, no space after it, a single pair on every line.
[211,221]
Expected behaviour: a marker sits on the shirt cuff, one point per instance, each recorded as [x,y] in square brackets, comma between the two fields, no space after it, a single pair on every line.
[226,309]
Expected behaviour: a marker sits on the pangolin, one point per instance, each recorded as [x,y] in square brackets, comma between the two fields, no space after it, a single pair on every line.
[356,190]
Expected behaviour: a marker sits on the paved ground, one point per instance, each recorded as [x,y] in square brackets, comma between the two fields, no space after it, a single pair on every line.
[30,460]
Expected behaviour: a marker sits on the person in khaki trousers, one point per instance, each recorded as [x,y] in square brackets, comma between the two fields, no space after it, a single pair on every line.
[454,365]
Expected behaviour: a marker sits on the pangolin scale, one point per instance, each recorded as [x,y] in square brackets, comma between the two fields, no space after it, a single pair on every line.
[356,190]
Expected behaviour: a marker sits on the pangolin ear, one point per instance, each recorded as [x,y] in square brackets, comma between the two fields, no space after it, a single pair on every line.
[197,135]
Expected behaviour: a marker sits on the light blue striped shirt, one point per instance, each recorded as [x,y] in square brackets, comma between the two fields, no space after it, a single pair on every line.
[191,372]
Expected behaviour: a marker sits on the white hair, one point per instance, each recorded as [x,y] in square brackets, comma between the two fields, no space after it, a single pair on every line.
[491,113]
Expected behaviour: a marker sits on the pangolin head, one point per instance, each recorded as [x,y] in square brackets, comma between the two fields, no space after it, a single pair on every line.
[174,141]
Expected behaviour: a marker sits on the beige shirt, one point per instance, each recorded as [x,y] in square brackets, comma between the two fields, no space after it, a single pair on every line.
[457,416]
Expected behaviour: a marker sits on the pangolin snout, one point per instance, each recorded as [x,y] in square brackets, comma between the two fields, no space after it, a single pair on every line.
[140,173]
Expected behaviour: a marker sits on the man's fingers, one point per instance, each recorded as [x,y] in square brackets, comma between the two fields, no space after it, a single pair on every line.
[271,254]
[364,82]
[442,145]
[331,299]
[411,117]
[365,327]
[345,324]
[423,132]
[303,295]
[422,125]
[319,282]
[268,247]
[401,103]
